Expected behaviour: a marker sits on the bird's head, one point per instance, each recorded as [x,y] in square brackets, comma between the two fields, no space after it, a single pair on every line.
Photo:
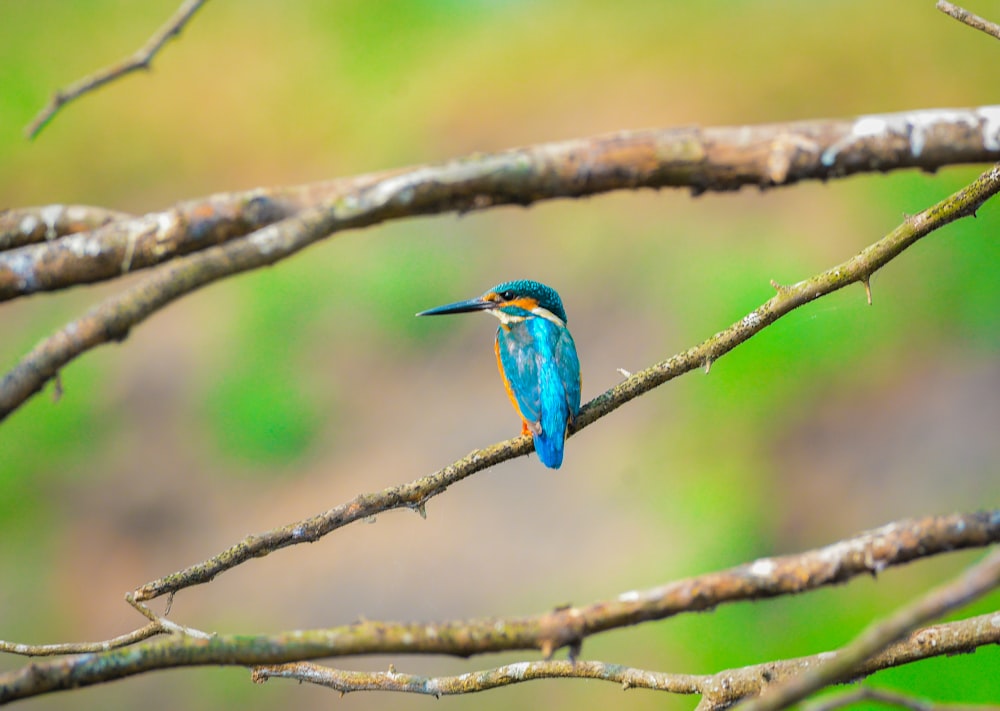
[511,302]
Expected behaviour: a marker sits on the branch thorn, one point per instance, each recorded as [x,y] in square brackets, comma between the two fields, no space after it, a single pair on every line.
[868,289]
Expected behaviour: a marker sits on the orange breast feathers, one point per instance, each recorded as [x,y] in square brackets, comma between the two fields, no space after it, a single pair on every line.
[525,427]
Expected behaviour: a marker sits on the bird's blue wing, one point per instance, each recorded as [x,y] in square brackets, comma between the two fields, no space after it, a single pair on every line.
[568,364]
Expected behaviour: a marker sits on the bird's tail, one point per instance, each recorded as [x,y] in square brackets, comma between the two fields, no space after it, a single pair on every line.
[549,442]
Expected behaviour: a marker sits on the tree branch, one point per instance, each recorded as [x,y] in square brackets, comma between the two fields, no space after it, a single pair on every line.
[141,59]
[717,159]
[720,690]
[769,577]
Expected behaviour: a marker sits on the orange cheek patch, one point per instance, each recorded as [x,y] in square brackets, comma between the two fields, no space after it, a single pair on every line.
[525,302]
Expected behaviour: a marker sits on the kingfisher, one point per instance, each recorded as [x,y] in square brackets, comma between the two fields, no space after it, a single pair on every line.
[536,357]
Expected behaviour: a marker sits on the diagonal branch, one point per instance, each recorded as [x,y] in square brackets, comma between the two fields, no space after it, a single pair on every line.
[141,59]
[857,269]
[867,553]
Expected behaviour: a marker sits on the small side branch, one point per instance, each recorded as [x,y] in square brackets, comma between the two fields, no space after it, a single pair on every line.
[46,650]
[141,59]
[157,625]
[974,21]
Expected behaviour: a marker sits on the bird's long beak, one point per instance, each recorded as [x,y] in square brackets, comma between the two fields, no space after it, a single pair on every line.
[461,307]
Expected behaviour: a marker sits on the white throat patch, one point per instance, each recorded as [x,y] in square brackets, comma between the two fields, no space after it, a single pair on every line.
[545,313]
[507,319]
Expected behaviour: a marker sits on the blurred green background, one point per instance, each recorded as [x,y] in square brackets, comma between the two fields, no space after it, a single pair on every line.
[275,395]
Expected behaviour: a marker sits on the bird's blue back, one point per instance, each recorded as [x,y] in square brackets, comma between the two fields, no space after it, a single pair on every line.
[542,371]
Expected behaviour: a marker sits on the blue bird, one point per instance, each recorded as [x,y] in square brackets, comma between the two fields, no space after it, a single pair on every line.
[536,357]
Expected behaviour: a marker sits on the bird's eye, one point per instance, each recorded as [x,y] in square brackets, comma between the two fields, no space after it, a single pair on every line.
[507,295]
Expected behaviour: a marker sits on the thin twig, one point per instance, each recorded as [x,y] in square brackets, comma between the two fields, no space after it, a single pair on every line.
[973,583]
[165,625]
[141,59]
[974,21]
[43,650]
[157,625]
